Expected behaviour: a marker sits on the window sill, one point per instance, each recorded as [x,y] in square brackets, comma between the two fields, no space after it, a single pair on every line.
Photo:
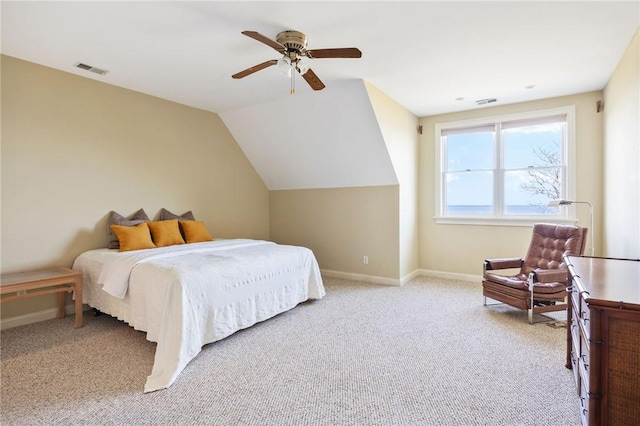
[502,221]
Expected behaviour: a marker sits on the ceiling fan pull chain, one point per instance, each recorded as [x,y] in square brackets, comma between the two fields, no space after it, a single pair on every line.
[293,81]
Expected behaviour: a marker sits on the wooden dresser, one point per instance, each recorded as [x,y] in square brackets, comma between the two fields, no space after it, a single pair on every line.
[603,338]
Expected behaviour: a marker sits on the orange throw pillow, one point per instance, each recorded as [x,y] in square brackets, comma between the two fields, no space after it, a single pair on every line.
[133,237]
[165,232]
[195,231]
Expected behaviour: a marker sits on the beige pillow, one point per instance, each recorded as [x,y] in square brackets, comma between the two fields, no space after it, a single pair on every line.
[117,219]
[165,232]
[133,237]
[195,231]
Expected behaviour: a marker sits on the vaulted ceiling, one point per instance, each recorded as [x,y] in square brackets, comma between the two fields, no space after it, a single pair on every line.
[431,57]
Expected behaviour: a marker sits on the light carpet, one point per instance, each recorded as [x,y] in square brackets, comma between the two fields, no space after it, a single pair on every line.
[426,353]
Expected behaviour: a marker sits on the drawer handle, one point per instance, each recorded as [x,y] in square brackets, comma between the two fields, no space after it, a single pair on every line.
[584,360]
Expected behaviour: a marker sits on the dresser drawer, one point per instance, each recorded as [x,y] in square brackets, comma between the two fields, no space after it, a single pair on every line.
[574,327]
[584,404]
[575,368]
[583,362]
[581,311]
[584,316]
[575,297]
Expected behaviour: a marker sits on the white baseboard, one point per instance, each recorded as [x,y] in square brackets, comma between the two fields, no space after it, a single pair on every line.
[34,317]
[450,275]
[360,277]
[399,282]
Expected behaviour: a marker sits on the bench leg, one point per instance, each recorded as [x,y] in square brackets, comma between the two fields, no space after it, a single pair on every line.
[61,304]
[78,296]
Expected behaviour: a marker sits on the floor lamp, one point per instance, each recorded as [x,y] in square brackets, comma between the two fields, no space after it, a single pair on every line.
[557,203]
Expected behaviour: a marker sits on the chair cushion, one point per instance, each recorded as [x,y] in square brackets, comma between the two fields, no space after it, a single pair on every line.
[515,281]
[520,282]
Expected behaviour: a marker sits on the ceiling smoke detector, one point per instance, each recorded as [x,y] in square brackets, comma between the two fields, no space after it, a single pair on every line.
[90,68]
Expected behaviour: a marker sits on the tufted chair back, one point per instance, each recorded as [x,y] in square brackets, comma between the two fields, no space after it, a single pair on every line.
[549,242]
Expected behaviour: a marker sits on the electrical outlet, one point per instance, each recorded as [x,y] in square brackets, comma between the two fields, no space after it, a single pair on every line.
[365,260]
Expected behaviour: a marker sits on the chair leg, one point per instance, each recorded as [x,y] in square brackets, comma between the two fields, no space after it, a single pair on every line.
[530,310]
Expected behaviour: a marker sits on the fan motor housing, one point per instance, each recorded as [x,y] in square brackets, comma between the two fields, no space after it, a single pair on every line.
[293,40]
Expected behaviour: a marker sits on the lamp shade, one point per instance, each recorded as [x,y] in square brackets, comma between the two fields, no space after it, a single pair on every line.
[556,203]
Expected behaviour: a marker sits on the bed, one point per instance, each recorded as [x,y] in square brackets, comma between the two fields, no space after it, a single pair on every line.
[186,296]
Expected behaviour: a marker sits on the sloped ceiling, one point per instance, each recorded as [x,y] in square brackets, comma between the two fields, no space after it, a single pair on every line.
[327,139]
[431,57]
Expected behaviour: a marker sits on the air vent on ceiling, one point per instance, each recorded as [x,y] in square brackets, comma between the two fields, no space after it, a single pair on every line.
[486,101]
[90,68]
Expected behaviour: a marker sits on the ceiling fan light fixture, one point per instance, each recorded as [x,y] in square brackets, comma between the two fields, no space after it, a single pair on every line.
[303,67]
[284,65]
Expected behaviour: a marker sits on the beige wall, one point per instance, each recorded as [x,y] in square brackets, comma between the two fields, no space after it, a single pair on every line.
[398,128]
[341,226]
[73,149]
[622,157]
[462,248]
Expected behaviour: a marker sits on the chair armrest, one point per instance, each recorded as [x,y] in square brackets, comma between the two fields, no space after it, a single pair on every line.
[550,275]
[505,263]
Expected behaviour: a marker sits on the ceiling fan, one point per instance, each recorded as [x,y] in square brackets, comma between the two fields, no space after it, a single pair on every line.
[292,45]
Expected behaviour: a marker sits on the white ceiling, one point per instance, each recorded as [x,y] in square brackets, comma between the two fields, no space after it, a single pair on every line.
[423,54]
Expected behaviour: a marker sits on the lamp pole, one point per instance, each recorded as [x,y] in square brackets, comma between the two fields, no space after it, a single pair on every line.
[568,203]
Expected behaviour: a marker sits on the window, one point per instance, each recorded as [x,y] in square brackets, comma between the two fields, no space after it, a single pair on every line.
[505,169]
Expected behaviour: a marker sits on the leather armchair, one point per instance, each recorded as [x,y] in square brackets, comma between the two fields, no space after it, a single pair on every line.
[540,284]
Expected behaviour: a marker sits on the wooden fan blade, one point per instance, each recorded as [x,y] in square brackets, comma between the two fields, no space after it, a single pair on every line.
[346,52]
[254,68]
[266,40]
[313,80]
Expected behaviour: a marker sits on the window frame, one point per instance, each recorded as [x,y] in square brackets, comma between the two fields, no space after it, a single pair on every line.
[567,214]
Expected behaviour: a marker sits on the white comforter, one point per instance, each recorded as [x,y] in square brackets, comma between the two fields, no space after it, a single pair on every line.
[195,294]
